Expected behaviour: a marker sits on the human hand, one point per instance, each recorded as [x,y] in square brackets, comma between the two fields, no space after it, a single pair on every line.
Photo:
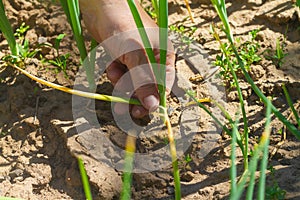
[106,19]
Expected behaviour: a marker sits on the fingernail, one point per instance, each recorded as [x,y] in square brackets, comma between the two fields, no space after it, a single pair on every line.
[150,102]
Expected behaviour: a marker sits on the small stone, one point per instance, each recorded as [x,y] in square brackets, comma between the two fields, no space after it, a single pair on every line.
[42,40]
[15,173]
[187,176]
[170,190]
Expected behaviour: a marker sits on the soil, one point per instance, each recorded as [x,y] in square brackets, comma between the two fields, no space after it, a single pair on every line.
[40,141]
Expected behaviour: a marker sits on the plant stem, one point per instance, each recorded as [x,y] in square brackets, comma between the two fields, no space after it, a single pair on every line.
[264,162]
[174,157]
[163,46]
[290,103]
[144,36]
[79,93]
[71,8]
[228,117]
[221,10]
[160,75]
[241,99]
[208,112]
[128,166]
[266,101]
[76,26]
[189,10]
[254,160]
[232,159]
[7,31]
[155,6]
[85,180]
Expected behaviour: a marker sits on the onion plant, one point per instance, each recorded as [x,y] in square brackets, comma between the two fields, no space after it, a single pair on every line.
[90,95]
[290,103]
[221,10]
[7,31]
[128,166]
[85,180]
[71,9]
[160,74]
[262,147]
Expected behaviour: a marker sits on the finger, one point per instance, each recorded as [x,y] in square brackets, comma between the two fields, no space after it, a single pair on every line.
[115,71]
[142,77]
[136,111]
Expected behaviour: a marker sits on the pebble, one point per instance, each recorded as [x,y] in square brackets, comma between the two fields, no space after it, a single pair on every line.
[15,173]
[187,176]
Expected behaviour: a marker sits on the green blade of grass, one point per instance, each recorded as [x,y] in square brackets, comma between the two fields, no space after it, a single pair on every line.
[144,37]
[239,141]
[221,10]
[290,103]
[263,147]
[208,112]
[173,152]
[64,5]
[85,180]
[233,172]
[128,166]
[228,117]
[76,26]
[264,162]
[71,9]
[160,75]
[258,149]
[163,46]
[7,31]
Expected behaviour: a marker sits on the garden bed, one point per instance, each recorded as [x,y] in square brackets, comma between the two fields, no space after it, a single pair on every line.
[39,142]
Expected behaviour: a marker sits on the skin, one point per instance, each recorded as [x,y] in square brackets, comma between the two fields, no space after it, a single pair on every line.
[107,18]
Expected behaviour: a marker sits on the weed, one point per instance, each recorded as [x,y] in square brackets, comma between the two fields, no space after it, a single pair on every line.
[277,56]
[25,51]
[3,133]
[151,10]
[185,33]
[21,31]
[60,61]
[291,105]
[184,163]
[274,191]
[187,160]
[248,51]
